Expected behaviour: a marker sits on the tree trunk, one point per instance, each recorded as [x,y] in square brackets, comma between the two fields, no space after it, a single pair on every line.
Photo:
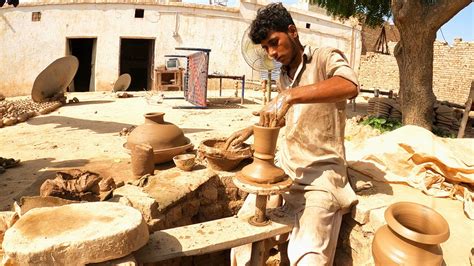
[417,22]
[414,54]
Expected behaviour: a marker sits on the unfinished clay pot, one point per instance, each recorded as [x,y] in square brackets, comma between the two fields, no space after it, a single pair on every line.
[263,169]
[411,236]
[142,160]
[166,138]
[212,150]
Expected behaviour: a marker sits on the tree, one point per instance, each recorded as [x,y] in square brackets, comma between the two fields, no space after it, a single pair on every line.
[417,21]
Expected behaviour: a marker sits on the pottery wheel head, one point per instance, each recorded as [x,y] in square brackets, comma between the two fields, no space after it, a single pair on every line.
[54,78]
[123,82]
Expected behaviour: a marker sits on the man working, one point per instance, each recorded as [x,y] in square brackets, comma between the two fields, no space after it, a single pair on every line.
[315,84]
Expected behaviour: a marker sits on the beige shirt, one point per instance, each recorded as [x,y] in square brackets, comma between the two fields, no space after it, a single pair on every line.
[313,151]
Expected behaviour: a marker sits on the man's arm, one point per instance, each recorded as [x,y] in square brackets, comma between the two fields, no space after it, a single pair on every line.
[334,89]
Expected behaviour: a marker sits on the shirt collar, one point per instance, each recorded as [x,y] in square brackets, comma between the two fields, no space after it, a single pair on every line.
[307,54]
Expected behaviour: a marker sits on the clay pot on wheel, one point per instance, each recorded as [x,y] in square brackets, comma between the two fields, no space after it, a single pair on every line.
[166,138]
[412,236]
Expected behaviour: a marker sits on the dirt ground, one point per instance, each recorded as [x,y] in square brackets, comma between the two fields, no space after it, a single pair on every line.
[77,134]
[86,134]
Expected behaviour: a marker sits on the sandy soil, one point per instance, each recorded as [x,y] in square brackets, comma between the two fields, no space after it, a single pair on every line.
[78,134]
[86,134]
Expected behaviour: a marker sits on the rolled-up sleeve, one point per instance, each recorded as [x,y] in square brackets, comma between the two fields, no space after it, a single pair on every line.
[337,65]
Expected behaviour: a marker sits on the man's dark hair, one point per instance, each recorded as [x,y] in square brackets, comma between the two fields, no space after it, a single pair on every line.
[273,17]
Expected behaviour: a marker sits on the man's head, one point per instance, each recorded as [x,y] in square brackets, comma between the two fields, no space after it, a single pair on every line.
[275,30]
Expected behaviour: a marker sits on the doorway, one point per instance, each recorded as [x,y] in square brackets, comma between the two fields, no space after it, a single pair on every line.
[84,50]
[136,59]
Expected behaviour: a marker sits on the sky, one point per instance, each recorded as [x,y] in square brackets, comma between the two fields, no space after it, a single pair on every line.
[461,25]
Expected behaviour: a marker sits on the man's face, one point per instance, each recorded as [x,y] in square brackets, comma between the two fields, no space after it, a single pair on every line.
[281,46]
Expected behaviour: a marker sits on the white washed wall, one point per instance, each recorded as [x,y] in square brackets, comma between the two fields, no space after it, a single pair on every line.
[27,47]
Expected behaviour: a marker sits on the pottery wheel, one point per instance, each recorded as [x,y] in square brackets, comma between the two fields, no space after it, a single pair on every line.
[74,234]
[54,78]
[262,189]
[123,82]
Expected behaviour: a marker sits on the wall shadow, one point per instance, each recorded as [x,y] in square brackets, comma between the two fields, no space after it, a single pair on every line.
[195,130]
[100,127]
[86,103]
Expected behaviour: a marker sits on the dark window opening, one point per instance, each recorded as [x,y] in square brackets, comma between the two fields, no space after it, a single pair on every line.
[308,25]
[36,16]
[139,13]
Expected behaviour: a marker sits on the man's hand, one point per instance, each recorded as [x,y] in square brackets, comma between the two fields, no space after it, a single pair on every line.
[238,137]
[273,113]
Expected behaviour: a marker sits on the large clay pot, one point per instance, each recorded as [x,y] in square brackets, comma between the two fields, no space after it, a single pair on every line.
[166,138]
[411,236]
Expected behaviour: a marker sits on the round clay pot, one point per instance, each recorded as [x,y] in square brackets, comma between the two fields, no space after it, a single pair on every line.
[184,161]
[158,133]
[411,236]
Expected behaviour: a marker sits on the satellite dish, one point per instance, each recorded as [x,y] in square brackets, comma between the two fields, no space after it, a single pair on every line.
[257,58]
[54,78]
[123,82]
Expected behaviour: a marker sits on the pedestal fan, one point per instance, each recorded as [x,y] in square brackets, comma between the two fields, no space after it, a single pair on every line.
[258,59]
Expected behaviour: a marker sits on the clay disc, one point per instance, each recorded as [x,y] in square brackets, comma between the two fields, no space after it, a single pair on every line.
[74,234]
[122,82]
[54,78]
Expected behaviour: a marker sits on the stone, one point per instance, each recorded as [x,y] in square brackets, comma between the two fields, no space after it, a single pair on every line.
[75,234]
[135,197]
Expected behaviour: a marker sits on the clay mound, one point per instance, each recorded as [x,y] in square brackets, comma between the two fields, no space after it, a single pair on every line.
[217,158]
[74,234]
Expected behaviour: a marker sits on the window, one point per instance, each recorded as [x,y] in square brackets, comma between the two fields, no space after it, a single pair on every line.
[139,13]
[308,25]
[36,16]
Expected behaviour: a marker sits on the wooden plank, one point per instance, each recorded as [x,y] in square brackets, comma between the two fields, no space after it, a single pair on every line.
[210,237]
[465,116]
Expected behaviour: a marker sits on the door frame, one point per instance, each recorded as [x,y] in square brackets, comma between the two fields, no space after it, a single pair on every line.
[92,83]
[151,59]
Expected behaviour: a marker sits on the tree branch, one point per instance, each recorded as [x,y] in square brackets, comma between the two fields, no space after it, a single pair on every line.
[443,10]
[405,9]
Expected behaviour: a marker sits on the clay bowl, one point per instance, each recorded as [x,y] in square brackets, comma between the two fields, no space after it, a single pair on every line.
[184,162]
[166,155]
[222,160]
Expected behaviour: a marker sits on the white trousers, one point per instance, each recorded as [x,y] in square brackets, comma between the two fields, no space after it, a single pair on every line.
[314,236]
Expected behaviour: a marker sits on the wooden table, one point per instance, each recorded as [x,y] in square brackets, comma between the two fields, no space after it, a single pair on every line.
[220,77]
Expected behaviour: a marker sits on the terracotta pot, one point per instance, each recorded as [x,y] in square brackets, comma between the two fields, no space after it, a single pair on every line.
[263,170]
[411,236]
[166,138]
[158,133]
